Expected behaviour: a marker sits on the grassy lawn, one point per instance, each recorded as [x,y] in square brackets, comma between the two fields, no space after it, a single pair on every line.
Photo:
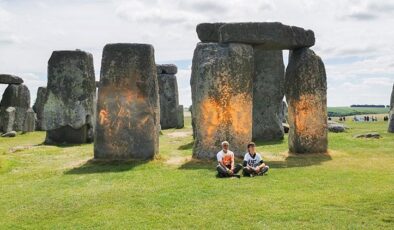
[350,111]
[58,187]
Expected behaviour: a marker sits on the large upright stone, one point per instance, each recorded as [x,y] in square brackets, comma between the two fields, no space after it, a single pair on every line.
[17,96]
[306,95]
[128,104]
[29,125]
[168,90]
[70,96]
[391,116]
[167,69]
[8,119]
[209,32]
[269,35]
[268,92]
[38,106]
[283,112]
[221,84]
[180,117]
[10,79]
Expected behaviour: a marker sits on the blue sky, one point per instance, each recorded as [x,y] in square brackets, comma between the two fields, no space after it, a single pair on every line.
[353,37]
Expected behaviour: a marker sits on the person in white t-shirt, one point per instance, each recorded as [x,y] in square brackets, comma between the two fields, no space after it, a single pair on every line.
[226,166]
[253,162]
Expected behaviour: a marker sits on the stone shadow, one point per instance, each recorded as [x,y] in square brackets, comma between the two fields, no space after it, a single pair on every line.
[187,146]
[99,166]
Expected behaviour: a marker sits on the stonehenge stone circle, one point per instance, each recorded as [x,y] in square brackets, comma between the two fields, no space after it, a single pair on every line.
[68,109]
[29,125]
[180,118]
[39,106]
[169,99]
[268,35]
[128,109]
[391,117]
[208,32]
[283,112]
[306,95]
[268,93]
[221,83]
[8,119]
[17,96]
[10,79]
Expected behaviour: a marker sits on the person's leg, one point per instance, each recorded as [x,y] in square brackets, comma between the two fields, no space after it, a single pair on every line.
[222,172]
[264,170]
[247,172]
[237,168]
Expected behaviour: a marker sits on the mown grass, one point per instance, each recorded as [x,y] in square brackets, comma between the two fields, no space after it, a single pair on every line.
[59,187]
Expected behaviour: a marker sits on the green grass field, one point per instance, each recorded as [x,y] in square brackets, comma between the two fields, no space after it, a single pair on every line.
[351,111]
[59,187]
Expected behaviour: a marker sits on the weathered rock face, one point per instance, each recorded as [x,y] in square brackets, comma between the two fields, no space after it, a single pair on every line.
[71,92]
[283,112]
[335,127]
[268,92]
[8,119]
[222,90]
[209,32]
[268,35]
[180,117]
[38,106]
[29,125]
[9,134]
[391,117]
[17,96]
[67,134]
[167,69]
[128,103]
[168,90]
[306,95]
[10,79]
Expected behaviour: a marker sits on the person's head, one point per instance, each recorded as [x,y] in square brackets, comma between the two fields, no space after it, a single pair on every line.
[225,145]
[251,147]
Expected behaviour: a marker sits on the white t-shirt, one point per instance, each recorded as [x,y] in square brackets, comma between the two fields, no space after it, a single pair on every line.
[253,161]
[226,158]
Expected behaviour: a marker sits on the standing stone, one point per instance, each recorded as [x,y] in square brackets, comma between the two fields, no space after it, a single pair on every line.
[268,35]
[168,90]
[167,69]
[17,96]
[209,32]
[283,112]
[8,119]
[38,106]
[68,110]
[30,121]
[391,116]
[268,92]
[180,117]
[221,84]
[10,79]
[306,95]
[128,104]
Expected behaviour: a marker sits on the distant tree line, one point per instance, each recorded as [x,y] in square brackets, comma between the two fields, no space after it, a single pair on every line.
[371,106]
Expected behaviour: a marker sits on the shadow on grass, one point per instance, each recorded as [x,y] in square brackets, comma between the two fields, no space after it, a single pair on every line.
[99,166]
[62,145]
[187,146]
[291,161]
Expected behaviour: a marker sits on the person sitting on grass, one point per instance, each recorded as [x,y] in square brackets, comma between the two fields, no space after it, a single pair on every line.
[226,167]
[253,163]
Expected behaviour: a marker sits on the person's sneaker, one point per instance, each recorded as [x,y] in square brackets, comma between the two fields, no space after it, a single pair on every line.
[237,176]
[264,170]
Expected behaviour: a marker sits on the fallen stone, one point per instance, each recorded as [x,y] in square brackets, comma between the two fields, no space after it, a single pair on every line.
[391,115]
[336,127]
[9,134]
[180,118]
[306,95]
[68,135]
[128,120]
[17,96]
[167,69]
[368,135]
[38,106]
[10,79]
[208,32]
[221,84]
[268,93]
[268,35]
[8,119]
[168,91]
[29,124]
[71,92]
